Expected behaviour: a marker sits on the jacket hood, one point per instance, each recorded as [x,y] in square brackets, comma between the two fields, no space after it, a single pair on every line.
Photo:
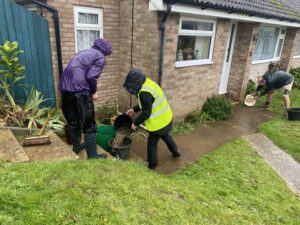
[134,81]
[103,45]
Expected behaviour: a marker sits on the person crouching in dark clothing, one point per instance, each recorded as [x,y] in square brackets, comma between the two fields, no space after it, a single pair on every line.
[270,82]
[78,86]
[155,113]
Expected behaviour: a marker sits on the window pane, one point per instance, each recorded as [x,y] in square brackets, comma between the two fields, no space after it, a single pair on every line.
[87,18]
[193,48]
[280,44]
[85,38]
[196,25]
[266,43]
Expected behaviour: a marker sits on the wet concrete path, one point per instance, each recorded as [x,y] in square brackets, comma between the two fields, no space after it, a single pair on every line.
[205,139]
[284,165]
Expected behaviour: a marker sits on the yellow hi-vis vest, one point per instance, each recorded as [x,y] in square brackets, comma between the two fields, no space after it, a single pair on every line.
[161,114]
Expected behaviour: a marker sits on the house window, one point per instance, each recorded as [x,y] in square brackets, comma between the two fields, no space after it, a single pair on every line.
[88,26]
[297,48]
[269,44]
[195,42]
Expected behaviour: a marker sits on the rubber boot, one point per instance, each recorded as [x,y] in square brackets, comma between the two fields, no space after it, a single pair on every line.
[75,136]
[91,147]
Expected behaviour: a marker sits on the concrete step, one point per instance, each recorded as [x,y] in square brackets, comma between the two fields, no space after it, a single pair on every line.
[58,150]
[10,149]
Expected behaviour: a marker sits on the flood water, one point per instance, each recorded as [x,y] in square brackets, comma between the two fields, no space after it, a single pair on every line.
[203,140]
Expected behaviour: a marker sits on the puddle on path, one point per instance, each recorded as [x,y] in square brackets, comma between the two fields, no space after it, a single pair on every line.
[203,140]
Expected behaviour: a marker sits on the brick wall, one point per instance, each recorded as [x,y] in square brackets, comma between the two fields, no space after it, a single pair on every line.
[242,60]
[108,82]
[287,50]
[185,88]
[145,51]
[188,87]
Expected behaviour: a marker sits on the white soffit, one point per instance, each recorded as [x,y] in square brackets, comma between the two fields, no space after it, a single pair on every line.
[158,5]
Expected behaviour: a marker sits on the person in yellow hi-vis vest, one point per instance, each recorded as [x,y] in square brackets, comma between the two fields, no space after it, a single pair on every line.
[155,113]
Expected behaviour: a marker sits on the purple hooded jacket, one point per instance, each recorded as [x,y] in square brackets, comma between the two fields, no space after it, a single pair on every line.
[85,68]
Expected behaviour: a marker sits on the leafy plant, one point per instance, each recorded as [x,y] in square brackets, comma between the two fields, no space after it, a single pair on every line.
[251,87]
[191,121]
[106,112]
[218,108]
[11,70]
[31,114]
[296,73]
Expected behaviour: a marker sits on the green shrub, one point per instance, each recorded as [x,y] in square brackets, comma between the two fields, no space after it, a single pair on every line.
[218,108]
[197,117]
[296,73]
[106,112]
[251,87]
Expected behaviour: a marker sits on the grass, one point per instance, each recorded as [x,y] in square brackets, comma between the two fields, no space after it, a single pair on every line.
[229,186]
[284,133]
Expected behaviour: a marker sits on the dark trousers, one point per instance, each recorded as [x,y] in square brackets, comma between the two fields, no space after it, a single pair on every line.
[153,142]
[78,109]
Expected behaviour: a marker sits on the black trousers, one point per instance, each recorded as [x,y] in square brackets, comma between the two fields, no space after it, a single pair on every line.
[78,109]
[153,142]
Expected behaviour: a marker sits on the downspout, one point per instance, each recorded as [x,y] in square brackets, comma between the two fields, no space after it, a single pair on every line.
[57,32]
[162,41]
[131,50]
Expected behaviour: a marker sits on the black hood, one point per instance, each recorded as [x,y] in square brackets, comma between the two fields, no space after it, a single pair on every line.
[134,81]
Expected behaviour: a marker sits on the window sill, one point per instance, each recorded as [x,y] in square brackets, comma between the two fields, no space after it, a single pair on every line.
[264,61]
[193,63]
[296,57]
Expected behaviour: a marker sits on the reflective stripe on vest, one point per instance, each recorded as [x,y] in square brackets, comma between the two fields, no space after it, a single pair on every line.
[161,114]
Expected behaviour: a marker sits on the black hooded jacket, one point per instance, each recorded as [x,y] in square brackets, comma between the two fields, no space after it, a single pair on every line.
[133,84]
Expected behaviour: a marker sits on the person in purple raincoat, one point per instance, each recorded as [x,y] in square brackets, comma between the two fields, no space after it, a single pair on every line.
[78,86]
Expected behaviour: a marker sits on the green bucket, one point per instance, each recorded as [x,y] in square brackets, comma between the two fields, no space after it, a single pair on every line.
[104,134]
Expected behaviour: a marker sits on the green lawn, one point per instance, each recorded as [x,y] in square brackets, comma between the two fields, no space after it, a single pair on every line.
[284,133]
[229,186]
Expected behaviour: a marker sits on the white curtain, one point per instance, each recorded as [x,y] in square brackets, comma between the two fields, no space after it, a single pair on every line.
[266,43]
[88,18]
[85,38]
[202,45]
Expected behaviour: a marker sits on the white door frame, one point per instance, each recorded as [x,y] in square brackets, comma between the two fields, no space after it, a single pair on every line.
[228,57]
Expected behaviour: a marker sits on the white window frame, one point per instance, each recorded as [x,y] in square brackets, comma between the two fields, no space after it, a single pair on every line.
[197,33]
[80,26]
[280,36]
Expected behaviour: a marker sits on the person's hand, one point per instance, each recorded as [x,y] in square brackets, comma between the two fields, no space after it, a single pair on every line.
[130,112]
[95,96]
[133,126]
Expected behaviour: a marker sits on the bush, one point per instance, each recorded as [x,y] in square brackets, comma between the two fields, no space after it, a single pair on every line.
[218,108]
[106,112]
[296,73]
[251,87]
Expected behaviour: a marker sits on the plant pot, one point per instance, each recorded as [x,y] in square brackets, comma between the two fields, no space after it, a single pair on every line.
[122,151]
[293,113]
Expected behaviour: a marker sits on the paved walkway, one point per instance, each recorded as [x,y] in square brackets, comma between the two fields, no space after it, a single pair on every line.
[285,166]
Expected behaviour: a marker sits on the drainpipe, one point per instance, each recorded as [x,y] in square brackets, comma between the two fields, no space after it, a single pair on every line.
[131,49]
[57,32]
[162,41]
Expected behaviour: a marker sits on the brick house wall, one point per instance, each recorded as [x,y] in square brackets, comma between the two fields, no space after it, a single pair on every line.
[108,82]
[241,66]
[185,88]
[145,44]
[135,44]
